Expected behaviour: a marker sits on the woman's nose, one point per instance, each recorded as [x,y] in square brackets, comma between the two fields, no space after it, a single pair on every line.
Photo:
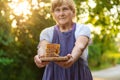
[61,12]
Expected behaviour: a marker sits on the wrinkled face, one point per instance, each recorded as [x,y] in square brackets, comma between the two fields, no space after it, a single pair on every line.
[63,14]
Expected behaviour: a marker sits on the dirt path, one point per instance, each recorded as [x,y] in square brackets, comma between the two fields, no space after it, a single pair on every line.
[107,74]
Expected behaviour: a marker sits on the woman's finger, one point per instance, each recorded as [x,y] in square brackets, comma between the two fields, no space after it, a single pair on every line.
[38,62]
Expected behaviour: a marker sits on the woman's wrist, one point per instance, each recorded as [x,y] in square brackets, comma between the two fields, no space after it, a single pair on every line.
[40,51]
[74,59]
[77,53]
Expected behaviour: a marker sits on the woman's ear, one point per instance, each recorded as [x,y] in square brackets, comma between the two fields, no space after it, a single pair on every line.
[52,15]
[74,14]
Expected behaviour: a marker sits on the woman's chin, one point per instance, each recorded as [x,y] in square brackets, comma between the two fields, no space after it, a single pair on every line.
[62,23]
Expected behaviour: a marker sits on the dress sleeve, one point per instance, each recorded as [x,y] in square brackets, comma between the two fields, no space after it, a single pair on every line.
[47,34]
[82,30]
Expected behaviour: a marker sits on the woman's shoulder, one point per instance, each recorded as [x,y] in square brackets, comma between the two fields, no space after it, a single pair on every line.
[47,34]
[51,28]
[82,29]
[81,26]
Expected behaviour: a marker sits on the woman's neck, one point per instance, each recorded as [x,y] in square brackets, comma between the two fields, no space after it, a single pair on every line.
[66,27]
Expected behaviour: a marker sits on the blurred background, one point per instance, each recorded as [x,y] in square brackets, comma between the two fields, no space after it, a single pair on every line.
[21,22]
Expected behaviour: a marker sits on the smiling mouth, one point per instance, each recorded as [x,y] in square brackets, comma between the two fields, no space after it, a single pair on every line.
[61,18]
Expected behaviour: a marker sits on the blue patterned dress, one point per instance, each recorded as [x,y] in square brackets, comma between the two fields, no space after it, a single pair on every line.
[78,71]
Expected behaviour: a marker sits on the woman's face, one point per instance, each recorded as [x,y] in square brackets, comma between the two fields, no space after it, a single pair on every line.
[63,14]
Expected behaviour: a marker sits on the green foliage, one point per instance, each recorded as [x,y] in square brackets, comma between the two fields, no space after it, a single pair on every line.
[103,17]
[5,40]
[24,47]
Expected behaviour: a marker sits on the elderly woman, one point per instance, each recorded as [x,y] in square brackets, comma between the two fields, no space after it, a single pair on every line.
[73,39]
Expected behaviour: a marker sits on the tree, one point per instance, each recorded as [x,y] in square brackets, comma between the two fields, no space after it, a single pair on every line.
[104,15]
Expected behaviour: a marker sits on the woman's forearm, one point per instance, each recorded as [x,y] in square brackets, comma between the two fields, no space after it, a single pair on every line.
[76,53]
[42,47]
[80,44]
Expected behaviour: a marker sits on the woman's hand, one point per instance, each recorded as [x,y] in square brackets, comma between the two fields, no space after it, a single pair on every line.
[68,63]
[38,61]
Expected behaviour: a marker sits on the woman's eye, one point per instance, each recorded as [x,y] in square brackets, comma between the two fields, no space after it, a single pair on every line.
[64,9]
[57,10]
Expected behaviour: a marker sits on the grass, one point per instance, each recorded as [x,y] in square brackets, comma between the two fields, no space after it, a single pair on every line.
[108,60]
